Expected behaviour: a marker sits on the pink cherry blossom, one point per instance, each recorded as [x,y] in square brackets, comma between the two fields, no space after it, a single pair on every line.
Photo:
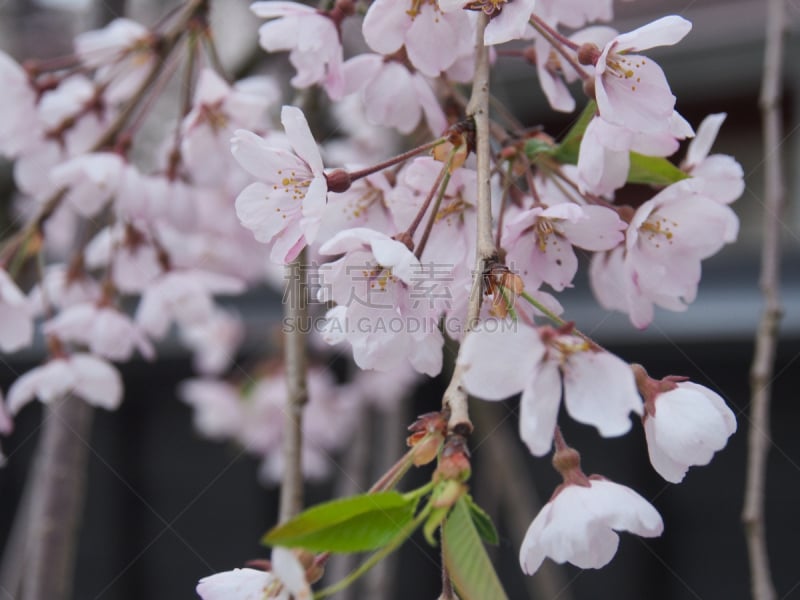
[18,119]
[718,176]
[218,411]
[579,525]
[388,304]
[666,241]
[598,388]
[104,330]
[510,23]
[214,341]
[311,39]
[604,155]
[285,207]
[123,52]
[392,95]
[685,427]
[574,13]
[218,109]
[631,90]
[433,40]
[91,180]
[540,240]
[16,316]
[84,375]
[184,296]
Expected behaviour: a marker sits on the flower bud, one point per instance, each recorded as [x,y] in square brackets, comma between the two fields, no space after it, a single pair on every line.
[338,181]
[588,54]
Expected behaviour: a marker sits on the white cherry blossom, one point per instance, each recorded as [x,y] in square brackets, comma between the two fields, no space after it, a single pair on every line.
[684,427]
[579,525]
[16,316]
[84,375]
[631,90]
[286,205]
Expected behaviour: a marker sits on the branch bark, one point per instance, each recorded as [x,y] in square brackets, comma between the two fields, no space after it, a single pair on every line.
[455,397]
[56,509]
[296,318]
[767,334]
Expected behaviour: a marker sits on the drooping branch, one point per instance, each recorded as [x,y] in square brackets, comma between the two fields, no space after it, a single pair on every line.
[455,397]
[767,333]
[295,342]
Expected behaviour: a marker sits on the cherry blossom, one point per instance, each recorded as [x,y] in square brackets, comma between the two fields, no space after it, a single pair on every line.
[666,241]
[684,427]
[242,584]
[182,296]
[388,307]
[311,39]
[91,180]
[17,108]
[579,525]
[218,110]
[598,387]
[123,52]
[718,176]
[104,330]
[286,581]
[433,40]
[631,90]
[16,316]
[509,19]
[604,156]
[541,239]
[392,95]
[84,375]
[292,186]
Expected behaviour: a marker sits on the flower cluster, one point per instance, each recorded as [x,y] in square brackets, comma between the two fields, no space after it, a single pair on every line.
[228,197]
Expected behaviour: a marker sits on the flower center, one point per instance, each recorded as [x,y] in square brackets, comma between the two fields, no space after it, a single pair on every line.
[416,7]
[491,8]
[656,228]
[625,68]
[292,185]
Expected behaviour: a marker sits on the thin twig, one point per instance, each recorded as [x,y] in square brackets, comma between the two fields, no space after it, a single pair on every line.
[767,335]
[296,315]
[455,397]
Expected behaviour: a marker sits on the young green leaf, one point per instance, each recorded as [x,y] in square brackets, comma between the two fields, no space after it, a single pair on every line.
[567,150]
[356,524]
[653,170]
[466,558]
[434,521]
[482,521]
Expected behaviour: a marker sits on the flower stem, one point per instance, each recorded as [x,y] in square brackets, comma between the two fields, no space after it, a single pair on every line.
[354,175]
[559,43]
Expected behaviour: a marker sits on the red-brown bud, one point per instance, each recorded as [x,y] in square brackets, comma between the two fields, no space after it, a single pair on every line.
[588,54]
[338,181]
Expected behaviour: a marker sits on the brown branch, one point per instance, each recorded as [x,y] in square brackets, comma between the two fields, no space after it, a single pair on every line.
[296,317]
[455,397]
[55,513]
[767,334]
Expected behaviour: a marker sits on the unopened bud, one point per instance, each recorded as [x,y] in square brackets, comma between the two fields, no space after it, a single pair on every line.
[454,461]
[338,181]
[588,54]
[447,494]
[426,449]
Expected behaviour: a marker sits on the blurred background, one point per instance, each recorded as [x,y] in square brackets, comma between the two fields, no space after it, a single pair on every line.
[165,507]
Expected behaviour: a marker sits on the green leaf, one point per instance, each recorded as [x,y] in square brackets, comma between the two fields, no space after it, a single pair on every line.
[355,524]
[432,524]
[482,521]
[466,559]
[567,150]
[653,170]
